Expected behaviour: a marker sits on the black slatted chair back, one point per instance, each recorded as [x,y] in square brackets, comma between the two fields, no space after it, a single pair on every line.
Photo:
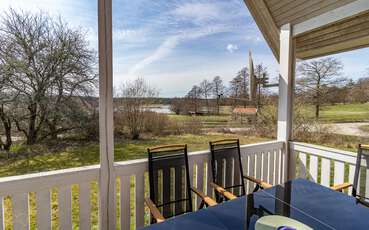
[169,179]
[361,161]
[226,166]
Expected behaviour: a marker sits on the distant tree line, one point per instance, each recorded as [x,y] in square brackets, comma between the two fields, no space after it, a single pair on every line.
[208,96]
[318,82]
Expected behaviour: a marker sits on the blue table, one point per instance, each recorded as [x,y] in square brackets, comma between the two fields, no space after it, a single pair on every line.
[317,206]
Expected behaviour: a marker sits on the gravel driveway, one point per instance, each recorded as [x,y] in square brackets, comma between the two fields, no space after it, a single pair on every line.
[351,129]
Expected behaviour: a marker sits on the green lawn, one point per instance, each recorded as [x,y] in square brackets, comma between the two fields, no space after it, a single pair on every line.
[87,153]
[340,112]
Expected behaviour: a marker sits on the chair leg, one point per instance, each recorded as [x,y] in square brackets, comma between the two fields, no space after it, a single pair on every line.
[257,187]
[202,204]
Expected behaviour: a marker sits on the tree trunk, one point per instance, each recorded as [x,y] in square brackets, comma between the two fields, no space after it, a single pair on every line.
[32,132]
[53,130]
[8,134]
[7,124]
[317,108]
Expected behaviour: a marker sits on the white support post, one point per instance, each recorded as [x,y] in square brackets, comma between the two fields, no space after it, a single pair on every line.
[287,62]
[106,177]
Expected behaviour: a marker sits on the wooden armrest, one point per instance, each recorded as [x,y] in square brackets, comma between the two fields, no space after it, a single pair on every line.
[222,191]
[154,210]
[259,182]
[205,198]
[366,147]
[339,187]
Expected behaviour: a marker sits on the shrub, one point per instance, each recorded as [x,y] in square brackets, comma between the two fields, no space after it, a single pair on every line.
[194,126]
[155,123]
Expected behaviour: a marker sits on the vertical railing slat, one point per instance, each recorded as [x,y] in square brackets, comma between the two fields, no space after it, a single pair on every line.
[2,213]
[277,167]
[284,165]
[245,165]
[209,178]
[200,180]
[20,211]
[125,201]
[84,206]
[339,172]
[325,172]
[264,175]
[271,167]
[139,196]
[251,171]
[258,166]
[313,168]
[65,207]
[367,183]
[43,207]
[302,164]
[351,176]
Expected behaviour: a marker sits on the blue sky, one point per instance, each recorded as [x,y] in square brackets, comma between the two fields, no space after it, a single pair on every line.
[175,44]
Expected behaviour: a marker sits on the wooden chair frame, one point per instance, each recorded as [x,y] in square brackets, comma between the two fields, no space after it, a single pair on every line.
[155,212]
[223,191]
[355,185]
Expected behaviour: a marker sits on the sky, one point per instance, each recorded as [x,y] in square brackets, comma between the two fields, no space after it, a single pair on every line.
[174,44]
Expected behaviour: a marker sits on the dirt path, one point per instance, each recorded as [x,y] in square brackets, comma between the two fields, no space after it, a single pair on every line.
[348,128]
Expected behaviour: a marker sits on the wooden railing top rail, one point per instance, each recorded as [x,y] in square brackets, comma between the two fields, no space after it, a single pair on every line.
[45,180]
[326,152]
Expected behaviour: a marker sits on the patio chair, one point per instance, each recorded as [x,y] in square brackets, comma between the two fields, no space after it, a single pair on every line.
[362,154]
[228,183]
[170,189]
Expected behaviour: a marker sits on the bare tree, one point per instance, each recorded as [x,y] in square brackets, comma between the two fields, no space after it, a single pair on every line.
[176,105]
[359,91]
[206,90]
[316,76]
[194,96]
[135,96]
[218,90]
[238,86]
[261,74]
[49,67]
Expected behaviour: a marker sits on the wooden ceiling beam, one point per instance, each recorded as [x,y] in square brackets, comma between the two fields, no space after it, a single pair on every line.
[266,24]
[343,46]
[332,16]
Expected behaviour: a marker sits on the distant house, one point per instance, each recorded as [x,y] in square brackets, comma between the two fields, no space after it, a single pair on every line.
[247,115]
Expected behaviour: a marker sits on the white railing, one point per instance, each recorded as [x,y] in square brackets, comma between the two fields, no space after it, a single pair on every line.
[328,166]
[67,199]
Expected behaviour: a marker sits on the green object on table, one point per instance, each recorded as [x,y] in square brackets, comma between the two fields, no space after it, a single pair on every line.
[273,222]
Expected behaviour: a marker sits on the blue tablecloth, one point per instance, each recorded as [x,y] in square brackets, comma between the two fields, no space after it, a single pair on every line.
[310,203]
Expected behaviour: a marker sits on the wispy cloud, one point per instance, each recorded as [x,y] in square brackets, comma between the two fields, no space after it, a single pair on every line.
[197,12]
[172,42]
[188,21]
[231,48]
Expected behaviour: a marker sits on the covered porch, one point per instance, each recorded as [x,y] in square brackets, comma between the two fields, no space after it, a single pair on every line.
[295,30]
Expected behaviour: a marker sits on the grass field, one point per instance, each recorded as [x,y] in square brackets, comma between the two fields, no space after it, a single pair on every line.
[80,154]
[340,113]
[328,114]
